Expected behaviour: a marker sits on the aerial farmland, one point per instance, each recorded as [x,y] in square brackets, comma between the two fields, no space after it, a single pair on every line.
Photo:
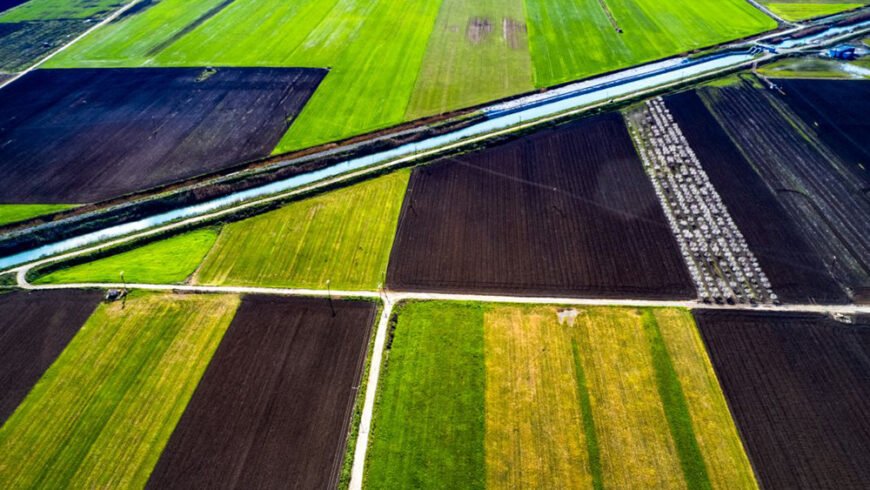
[404,244]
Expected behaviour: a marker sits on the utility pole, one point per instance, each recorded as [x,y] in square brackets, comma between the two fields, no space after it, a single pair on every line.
[329,293]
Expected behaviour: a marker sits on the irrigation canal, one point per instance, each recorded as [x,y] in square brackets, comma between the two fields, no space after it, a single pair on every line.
[500,119]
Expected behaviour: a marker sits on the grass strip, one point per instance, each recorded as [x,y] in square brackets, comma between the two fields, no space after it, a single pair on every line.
[676,408]
[588,420]
[13,213]
[167,261]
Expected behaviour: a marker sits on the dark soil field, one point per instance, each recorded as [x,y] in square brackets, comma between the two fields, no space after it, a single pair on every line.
[75,136]
[34,329]
[274,406]
[799,388]
[837,111]
[824,196]
[8,4]
[566,211]
[796,271]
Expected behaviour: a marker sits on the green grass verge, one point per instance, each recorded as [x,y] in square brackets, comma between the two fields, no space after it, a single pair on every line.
[478,51]
[167,261]
[13,213]
[343,236]
[796,11]
[428,428]
[676,407]
[59,9]
[102,413]
[571,39]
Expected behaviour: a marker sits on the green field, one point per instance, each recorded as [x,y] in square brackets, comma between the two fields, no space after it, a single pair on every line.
[13,213]
[572,39]
[429,425]
[343,236]
[164,262]
[395,60]
[478,52]
[602,397]
[102,413]
[800,10]
[59,9]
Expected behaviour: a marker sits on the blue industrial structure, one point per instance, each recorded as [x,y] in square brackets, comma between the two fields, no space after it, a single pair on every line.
[842,52]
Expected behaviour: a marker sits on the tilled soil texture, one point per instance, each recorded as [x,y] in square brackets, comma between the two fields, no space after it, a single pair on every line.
[799,388]
[566,211]
[796,272]
[274,406]
[34,329]
[837,111]
[74,136]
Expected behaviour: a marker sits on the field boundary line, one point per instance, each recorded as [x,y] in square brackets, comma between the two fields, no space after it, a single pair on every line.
[51,55]
[392,297]
[365,423]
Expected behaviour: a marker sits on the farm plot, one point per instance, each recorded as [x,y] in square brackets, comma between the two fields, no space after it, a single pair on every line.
[31,29]
[102,413]
[804,415]
[34,329]
[836,112]
[394,60]
[374,51]
[796,10]
[823,195]
[572,39]
[13,213]
[796,271]
[343,237]
[294,365]
[164,262]
[545,397]
[478,51]
[565,211]
[72,136]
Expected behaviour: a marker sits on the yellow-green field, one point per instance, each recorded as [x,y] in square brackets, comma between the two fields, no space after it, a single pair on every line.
[343,236]
[803,9]
[601,397]
[102,413]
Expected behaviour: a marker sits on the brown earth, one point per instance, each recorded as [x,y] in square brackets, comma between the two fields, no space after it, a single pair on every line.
[274,406]
[565,211]
[34,328]
[799,388]
[478,29]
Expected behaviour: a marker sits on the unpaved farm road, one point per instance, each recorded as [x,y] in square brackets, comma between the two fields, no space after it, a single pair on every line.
[390,298]
[52,54]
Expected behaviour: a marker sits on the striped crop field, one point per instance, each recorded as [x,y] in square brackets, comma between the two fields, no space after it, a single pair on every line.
[548,397]
[105,426]
[343,236]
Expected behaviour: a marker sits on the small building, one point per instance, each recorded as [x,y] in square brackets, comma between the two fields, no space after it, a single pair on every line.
[842,52]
